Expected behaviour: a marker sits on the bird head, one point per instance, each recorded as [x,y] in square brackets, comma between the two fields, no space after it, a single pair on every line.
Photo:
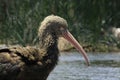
[54,24]
[58,26]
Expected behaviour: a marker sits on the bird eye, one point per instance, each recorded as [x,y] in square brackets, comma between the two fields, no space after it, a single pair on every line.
[62,29]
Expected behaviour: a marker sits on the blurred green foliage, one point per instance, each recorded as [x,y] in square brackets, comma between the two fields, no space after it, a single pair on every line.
[20,19]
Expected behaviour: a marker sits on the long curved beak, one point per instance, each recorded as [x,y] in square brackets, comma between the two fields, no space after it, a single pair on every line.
[68,36]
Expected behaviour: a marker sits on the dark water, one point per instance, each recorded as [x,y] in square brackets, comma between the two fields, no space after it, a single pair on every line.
[72,66]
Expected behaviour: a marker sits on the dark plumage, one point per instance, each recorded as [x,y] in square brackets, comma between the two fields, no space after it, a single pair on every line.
[28,63]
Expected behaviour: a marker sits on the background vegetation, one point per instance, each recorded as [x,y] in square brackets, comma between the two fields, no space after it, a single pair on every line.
[88,20]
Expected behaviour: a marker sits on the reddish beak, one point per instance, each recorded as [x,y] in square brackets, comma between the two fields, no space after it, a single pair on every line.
[68,36]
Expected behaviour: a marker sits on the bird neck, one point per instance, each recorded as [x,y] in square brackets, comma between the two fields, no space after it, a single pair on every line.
[48,40]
